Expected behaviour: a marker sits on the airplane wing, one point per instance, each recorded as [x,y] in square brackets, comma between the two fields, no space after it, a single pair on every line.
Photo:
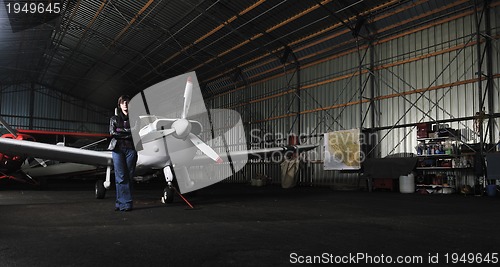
[104,158]
[54,152]
[78,134]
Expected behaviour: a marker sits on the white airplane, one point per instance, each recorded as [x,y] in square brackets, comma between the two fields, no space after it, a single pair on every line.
[172,145]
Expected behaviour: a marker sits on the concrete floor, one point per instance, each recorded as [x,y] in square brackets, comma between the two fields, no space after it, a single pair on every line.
[240,225]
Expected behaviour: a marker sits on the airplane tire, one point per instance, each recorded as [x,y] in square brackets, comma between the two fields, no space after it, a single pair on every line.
[168,195]
[100,190]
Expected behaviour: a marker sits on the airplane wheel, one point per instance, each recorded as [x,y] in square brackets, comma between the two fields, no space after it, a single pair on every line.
[100,190]
[168,195]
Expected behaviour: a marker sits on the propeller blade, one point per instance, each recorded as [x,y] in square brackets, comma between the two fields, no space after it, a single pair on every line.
[204,148]
[188,92]
[8,127]
[155,135]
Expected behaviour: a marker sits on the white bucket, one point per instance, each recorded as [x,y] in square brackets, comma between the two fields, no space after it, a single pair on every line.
[407,183]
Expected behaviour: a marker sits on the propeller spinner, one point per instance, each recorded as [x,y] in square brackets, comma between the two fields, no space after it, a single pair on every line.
[182,128]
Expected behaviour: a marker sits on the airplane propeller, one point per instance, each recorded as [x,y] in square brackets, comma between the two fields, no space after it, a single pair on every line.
[207,150]
[188,93]
[181,128]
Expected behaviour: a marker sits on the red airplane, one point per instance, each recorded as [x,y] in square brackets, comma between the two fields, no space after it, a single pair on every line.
[15,167]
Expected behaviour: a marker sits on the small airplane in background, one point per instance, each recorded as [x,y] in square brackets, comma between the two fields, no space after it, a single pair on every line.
[33,170]
[170,145]
[10,165]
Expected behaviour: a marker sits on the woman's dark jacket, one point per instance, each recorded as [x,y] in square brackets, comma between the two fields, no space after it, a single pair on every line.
[119,129]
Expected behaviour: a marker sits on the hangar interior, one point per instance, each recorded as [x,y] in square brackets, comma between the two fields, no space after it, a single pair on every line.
[288,67]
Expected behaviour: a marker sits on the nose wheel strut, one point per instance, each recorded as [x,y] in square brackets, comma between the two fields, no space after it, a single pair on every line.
[168,192]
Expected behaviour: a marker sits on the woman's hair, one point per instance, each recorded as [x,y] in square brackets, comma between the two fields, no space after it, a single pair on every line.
[122,99]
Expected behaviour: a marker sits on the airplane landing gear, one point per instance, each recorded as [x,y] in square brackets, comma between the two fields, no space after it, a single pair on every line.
[168,195]
[101,186]
[100,190]
[168,192]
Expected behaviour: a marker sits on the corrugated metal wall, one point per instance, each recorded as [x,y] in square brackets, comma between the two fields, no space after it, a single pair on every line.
[27,106]
[424,65]
[422,76]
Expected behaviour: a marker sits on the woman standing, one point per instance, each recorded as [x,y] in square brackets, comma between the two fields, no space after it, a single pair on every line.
[124,155]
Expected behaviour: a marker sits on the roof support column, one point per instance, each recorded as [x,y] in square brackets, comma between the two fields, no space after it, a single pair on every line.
[489,71]
[486,95]
[288,52]
[32,105]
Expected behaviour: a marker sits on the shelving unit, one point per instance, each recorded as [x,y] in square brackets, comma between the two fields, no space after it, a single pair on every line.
[440,164]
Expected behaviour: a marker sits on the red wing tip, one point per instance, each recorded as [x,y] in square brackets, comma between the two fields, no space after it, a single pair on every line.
[219,160]
[189,79]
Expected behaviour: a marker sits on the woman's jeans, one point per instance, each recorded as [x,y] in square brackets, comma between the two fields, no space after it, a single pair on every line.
[124,160]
